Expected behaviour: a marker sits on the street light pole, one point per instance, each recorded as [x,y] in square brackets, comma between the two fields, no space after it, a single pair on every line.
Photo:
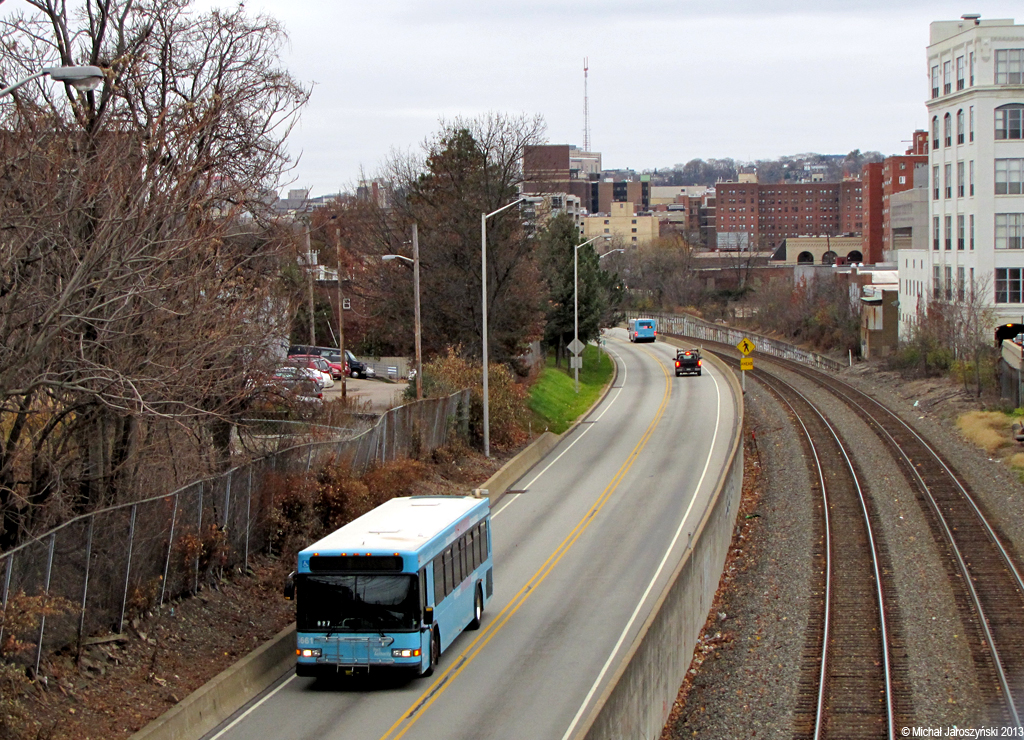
[83,79]
[483,283]
[416,291]
[415,262]
[576,302]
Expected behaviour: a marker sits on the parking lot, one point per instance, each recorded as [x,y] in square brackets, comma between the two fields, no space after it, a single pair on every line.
[373,396]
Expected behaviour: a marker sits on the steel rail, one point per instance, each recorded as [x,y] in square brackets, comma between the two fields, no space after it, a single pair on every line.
[851,396]
[872,547]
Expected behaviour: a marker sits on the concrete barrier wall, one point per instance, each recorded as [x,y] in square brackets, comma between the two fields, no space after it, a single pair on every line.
[218,699]
[639,696]
[515,468]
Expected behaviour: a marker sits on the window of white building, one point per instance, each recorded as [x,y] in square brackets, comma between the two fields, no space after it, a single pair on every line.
[1008,285]
[1008,121]
[1009,230]
[1009,176]
[1009,66]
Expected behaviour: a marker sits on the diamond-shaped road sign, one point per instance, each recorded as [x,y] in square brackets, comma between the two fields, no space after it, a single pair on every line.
[746,346]
[576,346]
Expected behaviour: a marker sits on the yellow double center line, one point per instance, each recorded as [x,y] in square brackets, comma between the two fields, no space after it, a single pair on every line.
[442,682]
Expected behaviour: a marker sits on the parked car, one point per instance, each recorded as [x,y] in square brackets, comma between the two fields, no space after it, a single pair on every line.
[358,368]
[333,358]
[293,383]
[355,368]
[315,362]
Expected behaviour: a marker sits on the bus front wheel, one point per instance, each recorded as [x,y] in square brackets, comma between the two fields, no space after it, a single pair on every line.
[478,609]
[435,653]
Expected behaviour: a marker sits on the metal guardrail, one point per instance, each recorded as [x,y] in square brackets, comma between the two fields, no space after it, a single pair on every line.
[694,328]
[103,566]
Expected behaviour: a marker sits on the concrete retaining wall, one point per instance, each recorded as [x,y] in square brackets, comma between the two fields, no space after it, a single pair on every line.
[218,699]
[515,468]
[639,696]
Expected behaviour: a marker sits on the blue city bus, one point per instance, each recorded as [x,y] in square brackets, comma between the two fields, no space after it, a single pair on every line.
[642,330]
[393,588]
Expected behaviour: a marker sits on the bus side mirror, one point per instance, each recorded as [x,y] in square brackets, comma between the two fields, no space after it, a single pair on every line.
[428,615]
[289,586]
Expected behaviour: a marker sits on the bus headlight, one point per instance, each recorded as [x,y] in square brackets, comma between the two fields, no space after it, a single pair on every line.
[405,653]
[310,652]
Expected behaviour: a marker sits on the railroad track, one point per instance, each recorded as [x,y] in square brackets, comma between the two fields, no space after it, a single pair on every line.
[992,582]
[984,572]
[847,685]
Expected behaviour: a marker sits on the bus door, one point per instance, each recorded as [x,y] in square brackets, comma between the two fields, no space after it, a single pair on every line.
[426,599]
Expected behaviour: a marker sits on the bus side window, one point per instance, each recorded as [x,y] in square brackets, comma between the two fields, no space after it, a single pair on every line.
[483,540]
[449,575]
[460,572]
[471,544]
[438,579]
[424,598]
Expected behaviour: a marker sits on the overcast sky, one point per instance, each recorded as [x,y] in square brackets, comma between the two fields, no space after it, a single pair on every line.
[669,81]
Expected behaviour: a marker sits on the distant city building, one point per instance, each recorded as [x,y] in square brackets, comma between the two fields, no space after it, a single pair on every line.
[623,225]
[562,168]
[976,168]
[298,201]
[769,213]
[552,204]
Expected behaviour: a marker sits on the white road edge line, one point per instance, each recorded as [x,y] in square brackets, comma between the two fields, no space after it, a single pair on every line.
[248,711]
[578,438]
[657,574]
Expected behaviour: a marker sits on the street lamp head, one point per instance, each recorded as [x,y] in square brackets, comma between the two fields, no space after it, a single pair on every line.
[389,257]
[84,79]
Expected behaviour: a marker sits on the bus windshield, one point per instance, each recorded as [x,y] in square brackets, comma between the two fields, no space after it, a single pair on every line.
[357,603]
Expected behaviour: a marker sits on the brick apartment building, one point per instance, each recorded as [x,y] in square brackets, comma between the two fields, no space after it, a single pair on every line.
[760,216]
[879,182]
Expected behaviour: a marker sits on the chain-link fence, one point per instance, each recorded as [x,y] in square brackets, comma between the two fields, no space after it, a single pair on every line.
[87,575]
[694,328]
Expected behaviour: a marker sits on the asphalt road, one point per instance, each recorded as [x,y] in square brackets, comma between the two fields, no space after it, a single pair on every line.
[580,556]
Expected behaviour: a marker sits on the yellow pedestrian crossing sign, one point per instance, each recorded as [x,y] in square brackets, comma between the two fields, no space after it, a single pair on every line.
[746,346]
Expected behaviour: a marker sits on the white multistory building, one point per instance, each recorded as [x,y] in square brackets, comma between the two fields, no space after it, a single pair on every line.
[976,171]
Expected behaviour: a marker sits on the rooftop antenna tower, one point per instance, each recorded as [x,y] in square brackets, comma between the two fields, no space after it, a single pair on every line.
[586,109]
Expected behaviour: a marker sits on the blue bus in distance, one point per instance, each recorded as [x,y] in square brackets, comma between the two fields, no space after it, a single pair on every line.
[642,330]
[393,588]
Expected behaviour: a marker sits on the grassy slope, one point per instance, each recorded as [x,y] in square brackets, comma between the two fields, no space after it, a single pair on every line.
[553,397]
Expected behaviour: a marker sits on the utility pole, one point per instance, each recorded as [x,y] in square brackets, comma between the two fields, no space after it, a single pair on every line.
[341,318]
[309,268]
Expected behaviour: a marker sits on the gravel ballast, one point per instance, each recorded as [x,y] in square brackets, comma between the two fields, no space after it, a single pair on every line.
[743,683]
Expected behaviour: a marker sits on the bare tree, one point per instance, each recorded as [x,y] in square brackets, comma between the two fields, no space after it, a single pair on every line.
[138,274]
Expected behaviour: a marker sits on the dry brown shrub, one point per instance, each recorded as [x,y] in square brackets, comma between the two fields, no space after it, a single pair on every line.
[989,430]
[1016,460]
[508,413]
[20,620]
[306,507]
